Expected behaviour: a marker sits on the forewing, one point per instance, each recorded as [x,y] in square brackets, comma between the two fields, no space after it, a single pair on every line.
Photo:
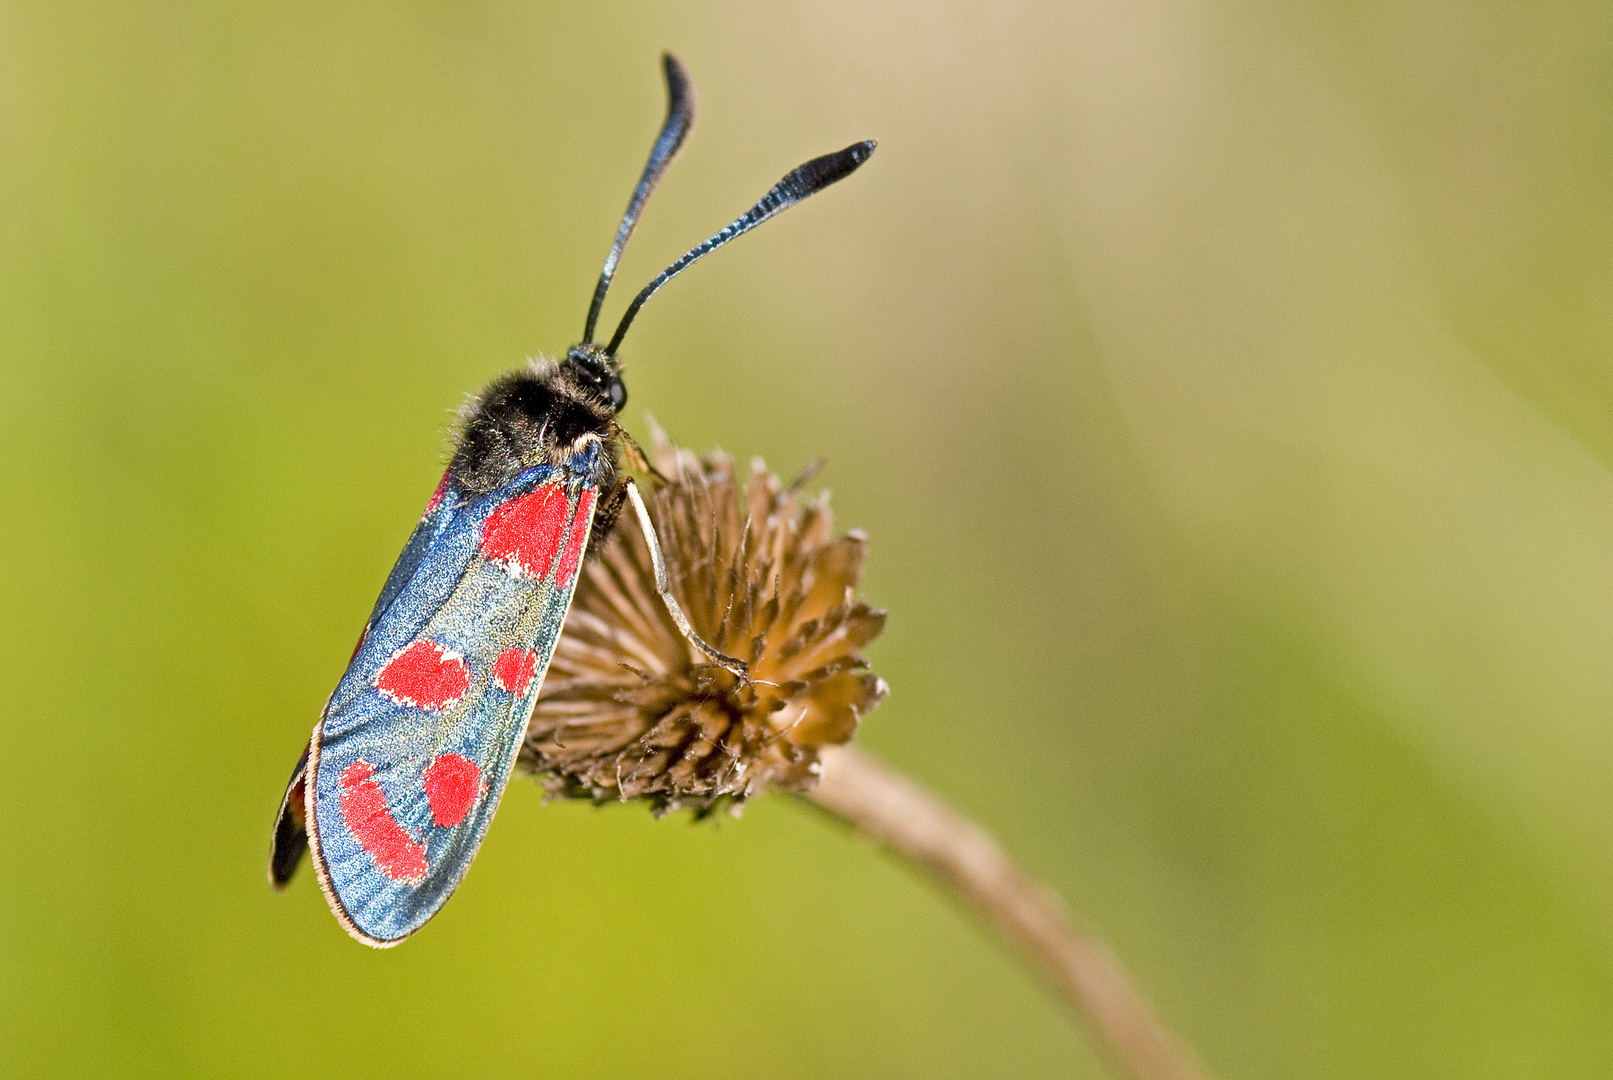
[438,517]
[416,745]
[290,838]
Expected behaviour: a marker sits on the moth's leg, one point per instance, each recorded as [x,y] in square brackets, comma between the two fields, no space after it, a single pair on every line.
[610,508]
[664,587]
[636,457]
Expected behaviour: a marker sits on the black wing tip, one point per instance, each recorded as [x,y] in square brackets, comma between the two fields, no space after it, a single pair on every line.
[290,837]
[284,861]
[286,851]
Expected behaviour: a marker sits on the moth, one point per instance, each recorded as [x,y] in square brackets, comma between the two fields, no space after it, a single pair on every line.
[414,749]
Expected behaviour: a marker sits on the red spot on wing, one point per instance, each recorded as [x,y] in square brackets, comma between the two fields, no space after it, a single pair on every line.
[436,496]
[296,802]
[373,826]
[362,634]
[452,784]
[514,668]
[525,533]
[425,675]
[575,538]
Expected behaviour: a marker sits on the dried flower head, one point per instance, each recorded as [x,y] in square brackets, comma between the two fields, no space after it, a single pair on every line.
[630,710]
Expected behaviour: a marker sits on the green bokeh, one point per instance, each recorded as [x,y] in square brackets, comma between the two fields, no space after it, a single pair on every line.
[1227,390]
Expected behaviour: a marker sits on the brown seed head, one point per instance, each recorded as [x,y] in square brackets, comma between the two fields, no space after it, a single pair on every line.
[630,710]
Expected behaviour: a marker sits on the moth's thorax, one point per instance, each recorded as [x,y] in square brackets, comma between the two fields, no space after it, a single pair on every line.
[555,414]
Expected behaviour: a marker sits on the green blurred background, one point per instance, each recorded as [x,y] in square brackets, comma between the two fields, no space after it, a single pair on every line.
[1225,387]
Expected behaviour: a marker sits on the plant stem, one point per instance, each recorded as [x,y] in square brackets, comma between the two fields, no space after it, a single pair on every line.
[917,825]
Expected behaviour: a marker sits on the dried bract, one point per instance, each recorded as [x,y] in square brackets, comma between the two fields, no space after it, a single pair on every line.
[630,710]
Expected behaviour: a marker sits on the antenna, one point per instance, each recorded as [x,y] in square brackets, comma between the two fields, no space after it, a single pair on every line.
[679,115]
[800,182]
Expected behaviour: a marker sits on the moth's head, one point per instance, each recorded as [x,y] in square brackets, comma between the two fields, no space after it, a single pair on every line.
[598,370]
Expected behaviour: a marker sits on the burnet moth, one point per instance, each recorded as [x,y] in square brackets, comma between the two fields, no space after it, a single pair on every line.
[412,752]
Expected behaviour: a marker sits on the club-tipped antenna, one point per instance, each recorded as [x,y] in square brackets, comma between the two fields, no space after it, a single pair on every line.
[800,182]
[679,116]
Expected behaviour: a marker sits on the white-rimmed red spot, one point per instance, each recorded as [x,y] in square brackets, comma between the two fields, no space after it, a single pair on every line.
[425,675]
[365,814]
[576,538]
[513,670]
[525,533]
[452,784]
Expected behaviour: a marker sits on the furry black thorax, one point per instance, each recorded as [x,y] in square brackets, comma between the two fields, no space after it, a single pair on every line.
[558,414]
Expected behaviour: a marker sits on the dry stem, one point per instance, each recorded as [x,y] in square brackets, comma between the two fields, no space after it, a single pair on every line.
[917,825]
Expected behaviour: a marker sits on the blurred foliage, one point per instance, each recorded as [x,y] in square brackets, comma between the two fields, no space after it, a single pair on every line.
[1225,387]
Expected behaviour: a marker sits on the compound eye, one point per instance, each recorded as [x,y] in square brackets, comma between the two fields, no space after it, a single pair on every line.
[617,392]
